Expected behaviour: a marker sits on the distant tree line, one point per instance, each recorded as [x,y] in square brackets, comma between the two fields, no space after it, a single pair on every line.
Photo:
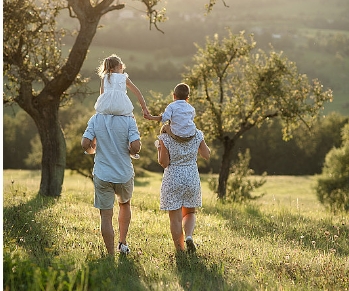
[303,155]
[341,23]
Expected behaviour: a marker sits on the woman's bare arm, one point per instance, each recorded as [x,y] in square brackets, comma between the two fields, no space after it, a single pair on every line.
[204,150]
[163,155]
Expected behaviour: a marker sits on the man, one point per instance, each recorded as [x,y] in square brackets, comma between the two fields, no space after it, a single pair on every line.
[117,137]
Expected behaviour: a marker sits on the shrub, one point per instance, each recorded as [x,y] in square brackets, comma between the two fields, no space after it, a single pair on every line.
[333,185]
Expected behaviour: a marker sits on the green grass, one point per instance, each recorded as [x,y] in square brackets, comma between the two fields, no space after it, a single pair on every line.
[284,241]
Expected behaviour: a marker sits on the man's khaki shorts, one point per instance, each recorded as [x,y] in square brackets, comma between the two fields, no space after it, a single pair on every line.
[105,192]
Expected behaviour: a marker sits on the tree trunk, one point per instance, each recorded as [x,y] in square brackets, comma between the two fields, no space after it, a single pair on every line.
[53,152]
[50,131]
[224,171]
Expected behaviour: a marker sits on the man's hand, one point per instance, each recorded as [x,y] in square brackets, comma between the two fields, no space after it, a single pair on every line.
[88,145]
[135,147]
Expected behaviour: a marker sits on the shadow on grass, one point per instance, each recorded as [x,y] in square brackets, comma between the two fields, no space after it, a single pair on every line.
[107,273]
[201,273]
[114,273]
[21,229]
[310,233]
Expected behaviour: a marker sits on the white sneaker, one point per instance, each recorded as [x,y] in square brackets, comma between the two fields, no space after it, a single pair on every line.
[191,248]
[124,249]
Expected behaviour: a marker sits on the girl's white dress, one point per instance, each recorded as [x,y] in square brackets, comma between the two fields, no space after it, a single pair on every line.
[181,181]
[114,100]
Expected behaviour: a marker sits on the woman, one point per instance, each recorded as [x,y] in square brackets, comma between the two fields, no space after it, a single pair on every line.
[180,188]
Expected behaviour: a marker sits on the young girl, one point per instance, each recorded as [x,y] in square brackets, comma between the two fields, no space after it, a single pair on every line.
[113,97]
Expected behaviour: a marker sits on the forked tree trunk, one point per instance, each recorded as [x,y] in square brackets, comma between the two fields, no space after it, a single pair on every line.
[224,171]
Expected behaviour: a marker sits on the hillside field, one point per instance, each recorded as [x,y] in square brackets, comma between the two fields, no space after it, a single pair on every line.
[284,241]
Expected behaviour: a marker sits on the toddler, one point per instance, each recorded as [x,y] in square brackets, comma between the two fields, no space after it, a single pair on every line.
[178,117]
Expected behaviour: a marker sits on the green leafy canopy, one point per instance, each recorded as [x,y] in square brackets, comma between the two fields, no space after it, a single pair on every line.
[237,87]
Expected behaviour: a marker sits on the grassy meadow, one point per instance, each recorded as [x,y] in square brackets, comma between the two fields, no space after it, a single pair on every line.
[284,241]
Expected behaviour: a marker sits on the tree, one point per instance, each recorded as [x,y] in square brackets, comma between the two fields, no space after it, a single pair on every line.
[240,185]
[333,185]
[235,90]
[36,76]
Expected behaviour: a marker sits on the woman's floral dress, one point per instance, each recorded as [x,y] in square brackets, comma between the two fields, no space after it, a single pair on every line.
[181,181]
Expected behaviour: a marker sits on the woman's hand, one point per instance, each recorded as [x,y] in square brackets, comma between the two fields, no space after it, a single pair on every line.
[204,150]
[163,155]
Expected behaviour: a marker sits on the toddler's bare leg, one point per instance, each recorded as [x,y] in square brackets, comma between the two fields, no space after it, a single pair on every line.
[165,129]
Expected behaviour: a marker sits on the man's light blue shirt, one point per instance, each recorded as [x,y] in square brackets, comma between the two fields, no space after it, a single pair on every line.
[181,114]
[114,133]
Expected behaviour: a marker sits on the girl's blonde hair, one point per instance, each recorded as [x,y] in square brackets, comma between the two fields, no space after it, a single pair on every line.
[108,65]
